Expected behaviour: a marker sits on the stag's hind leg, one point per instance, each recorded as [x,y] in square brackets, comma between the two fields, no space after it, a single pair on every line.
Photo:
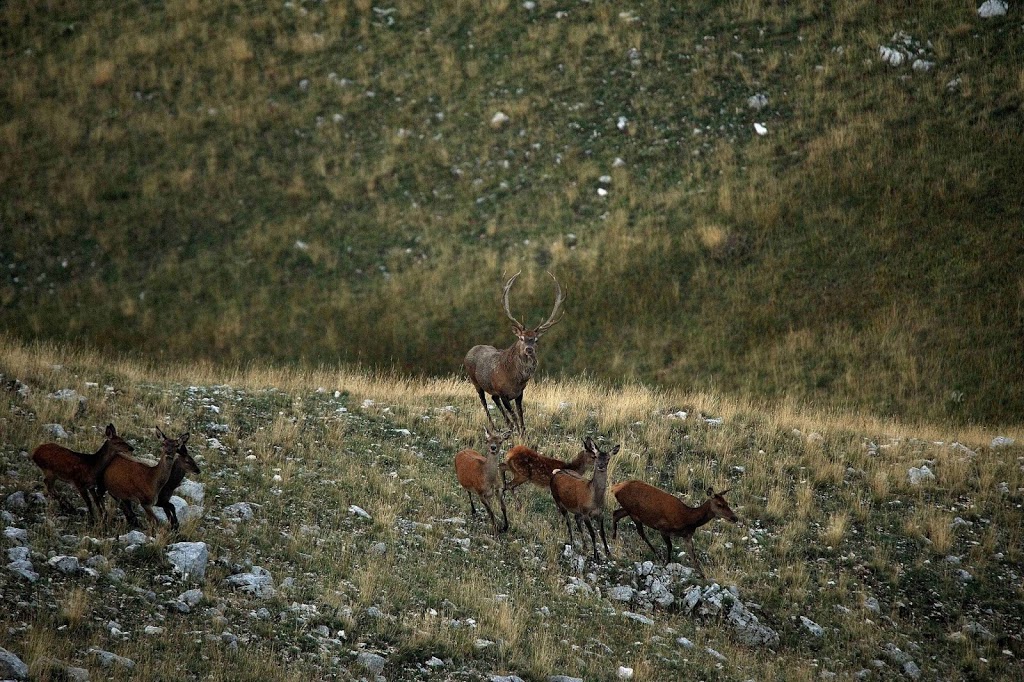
[519,409]
[483,400]
[499,403]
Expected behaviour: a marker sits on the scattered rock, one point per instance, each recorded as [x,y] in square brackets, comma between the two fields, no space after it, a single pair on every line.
[135,537]
[621,593]
[811,626]
[109,660]
[992,8]
[16,535]
[189,559]
[359,511]
[59,670]
[1002,441]
[192,490]
[499,119]
[373,662]
[12,667]
[918,476]
[638,618]
[23,568]
[56,430]
[624,673]
[258,582]
[757,102]
[15,500]
[564,678]
[239,511]
[68,565]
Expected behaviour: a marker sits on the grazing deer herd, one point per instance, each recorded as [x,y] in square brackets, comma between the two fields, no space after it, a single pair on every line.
[502,374]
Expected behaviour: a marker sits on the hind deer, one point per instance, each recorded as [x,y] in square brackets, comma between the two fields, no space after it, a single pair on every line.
[129,480]
[480,474]
[585,499]
[80,469]
[503,374]
[529,465]
[665,513]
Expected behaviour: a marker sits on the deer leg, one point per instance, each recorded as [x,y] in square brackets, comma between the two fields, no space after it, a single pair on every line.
[506,411]
[472,507]
[50,480]
[693,555]
[643,535]
[604,541]
[97,495]
[152,517]
[483,400]
[616,515]
[87,496]
[129,513]
[519,407]
[171,513]
[504,513]
[593,536]
[565,515]
[487,506]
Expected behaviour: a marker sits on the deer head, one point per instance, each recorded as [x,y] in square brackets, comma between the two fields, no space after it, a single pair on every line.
[529,337]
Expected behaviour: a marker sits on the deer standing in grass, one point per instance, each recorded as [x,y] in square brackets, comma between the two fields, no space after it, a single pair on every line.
[529,465]
[183,464]
[583,498]
[480,474]
[80,469]
[503,374]
[129,480]
[665,513]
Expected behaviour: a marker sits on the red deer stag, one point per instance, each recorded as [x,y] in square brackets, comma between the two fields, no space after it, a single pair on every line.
[504,373]
[480,474]
[665,513]
[80,469]
[585,499]
[529,465]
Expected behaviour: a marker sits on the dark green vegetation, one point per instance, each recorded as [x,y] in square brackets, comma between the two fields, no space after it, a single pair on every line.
[321,182]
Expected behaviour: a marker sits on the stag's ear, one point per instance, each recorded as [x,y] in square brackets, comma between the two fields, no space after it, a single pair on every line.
[725,491]
[711,492]
[183,438]
[111,431]
[160,434]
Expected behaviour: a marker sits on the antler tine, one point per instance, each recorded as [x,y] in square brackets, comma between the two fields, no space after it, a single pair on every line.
[552,320]
[504,299]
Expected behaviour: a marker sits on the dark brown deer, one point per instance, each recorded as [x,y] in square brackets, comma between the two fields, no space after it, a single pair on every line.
[583,498]
[665,513]
[78,468]
[184,464]
[503,374]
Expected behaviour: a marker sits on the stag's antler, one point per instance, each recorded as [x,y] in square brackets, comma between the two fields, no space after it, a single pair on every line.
[553,318]
[504,300]
[559,298]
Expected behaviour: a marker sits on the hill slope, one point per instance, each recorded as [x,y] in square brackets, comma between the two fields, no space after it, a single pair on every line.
[893,572]
[328,181]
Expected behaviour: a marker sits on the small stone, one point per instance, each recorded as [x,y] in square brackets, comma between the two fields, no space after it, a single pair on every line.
[23,568]
[499,119]
[482,643]
[109,660]
[564,678]
[189,559]
[621,593]
[811,626]
[373,662]
[153,630]
[757,102]
[917,476]
[685,643]
[135,537]
[68,565]
[191,597]
[434,662]
[239,511]
[12,667]
[379,549]
[15,500]
[359,511]
[16,535]
[624,673]
[55,430]
[992,8]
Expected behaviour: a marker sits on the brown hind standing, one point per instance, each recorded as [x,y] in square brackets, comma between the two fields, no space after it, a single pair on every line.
[665,513]
[503,374]
[183,464]
[529,465]
[129,480]
[481,475]
[585,499]
[80,469]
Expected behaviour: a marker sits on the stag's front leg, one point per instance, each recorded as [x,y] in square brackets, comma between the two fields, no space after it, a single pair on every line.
[505,407]
[519,408]
[483,399]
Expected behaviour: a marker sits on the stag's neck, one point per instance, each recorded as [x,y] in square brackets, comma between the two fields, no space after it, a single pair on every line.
[517,363]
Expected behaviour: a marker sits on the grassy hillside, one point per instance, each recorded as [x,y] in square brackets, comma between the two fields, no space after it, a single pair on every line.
[834,533]
[328,182]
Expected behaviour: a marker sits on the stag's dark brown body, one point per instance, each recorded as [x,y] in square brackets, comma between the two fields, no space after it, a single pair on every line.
[503,374]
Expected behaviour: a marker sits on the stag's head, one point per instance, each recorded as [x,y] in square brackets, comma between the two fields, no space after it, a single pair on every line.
[528,337]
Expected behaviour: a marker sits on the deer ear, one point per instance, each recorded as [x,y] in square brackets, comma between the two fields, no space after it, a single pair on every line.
[183,438]
[160,434]
[725,491]
[711,492]
[111,431]
[614,450]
